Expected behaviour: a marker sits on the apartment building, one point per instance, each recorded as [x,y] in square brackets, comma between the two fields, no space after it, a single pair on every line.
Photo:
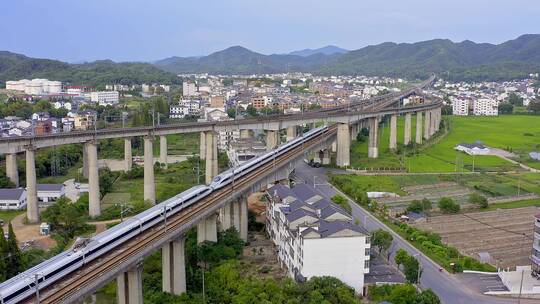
[315,237]
[84,120]
[460,107]
[486,107]
[535,253]
[178,111]
[105,98]
[189,88]
[260,102]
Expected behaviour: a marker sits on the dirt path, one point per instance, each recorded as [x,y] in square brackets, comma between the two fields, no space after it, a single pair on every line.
[506,156]
[30,233]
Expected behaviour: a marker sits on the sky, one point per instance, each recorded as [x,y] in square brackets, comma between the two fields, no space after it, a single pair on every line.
[137,30]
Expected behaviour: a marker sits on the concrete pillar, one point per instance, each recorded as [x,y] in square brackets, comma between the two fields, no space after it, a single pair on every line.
[271,139]
[427,124]
[236,215]
[129,286]
[94,196]
[149,182]
[32,209]
[211,156]
[407,129]
[85,162]
[393,132]
[291,133]
[174,266]
[243,218]
[419,128]
[128,156]
[373,147]
[433,121]
[225,216]
[439,117]
[245,134]
[334,146]
[343,146]
[207,229]
[202,146]
[326,157]
[12,172]
[163,150]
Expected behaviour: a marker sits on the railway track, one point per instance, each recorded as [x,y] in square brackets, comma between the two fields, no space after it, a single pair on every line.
[65,291]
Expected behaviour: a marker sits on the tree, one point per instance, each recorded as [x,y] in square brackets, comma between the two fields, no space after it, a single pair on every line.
[506,108]
[534,106]
[515,100]
[447,110]
[3,257]
[447,205]
[382,239]
[106,180]
[412,269]
[428,297]
[66,219]
[419,206]
[14,261]
[477,199]
[251,111]
[401,256]
[231,112]
[342,202]
[403,294]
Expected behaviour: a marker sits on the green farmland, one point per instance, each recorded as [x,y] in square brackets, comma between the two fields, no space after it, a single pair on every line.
[519,134]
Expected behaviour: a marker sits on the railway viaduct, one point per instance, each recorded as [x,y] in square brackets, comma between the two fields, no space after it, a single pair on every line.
[230,210]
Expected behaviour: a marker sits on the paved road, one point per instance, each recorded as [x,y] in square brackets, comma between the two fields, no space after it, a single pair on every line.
[449,288]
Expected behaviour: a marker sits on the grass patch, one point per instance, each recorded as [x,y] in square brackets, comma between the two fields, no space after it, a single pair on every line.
[515,133]
[512,205]
[366,183]
[504,132]
[8,215]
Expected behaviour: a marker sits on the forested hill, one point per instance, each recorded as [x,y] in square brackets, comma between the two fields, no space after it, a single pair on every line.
[465,60]
[15,66]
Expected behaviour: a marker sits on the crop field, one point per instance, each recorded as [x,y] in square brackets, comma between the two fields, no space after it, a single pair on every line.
[433,192]
[505,234]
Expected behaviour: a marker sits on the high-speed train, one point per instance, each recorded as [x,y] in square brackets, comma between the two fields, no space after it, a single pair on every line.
[23,285]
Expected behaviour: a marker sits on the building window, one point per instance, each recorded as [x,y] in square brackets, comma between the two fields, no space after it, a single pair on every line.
[367,252]
[368,240]
[366,264]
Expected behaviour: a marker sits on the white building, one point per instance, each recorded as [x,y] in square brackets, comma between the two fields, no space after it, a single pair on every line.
[12,199]
[315,237]
[105,98]
[477,148]
[178,111]
[535,254]
[50,192]
[35,86]
[486,107]
[189,88]
[460,107]
[193,106]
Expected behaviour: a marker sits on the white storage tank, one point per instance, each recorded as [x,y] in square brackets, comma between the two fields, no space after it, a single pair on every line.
[55,87]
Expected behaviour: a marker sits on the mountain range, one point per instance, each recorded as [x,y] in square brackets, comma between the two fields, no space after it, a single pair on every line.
[325,50]
[465,60]
[15,66]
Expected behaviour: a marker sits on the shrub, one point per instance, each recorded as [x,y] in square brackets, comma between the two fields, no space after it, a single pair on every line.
[447,205]
[477,199]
